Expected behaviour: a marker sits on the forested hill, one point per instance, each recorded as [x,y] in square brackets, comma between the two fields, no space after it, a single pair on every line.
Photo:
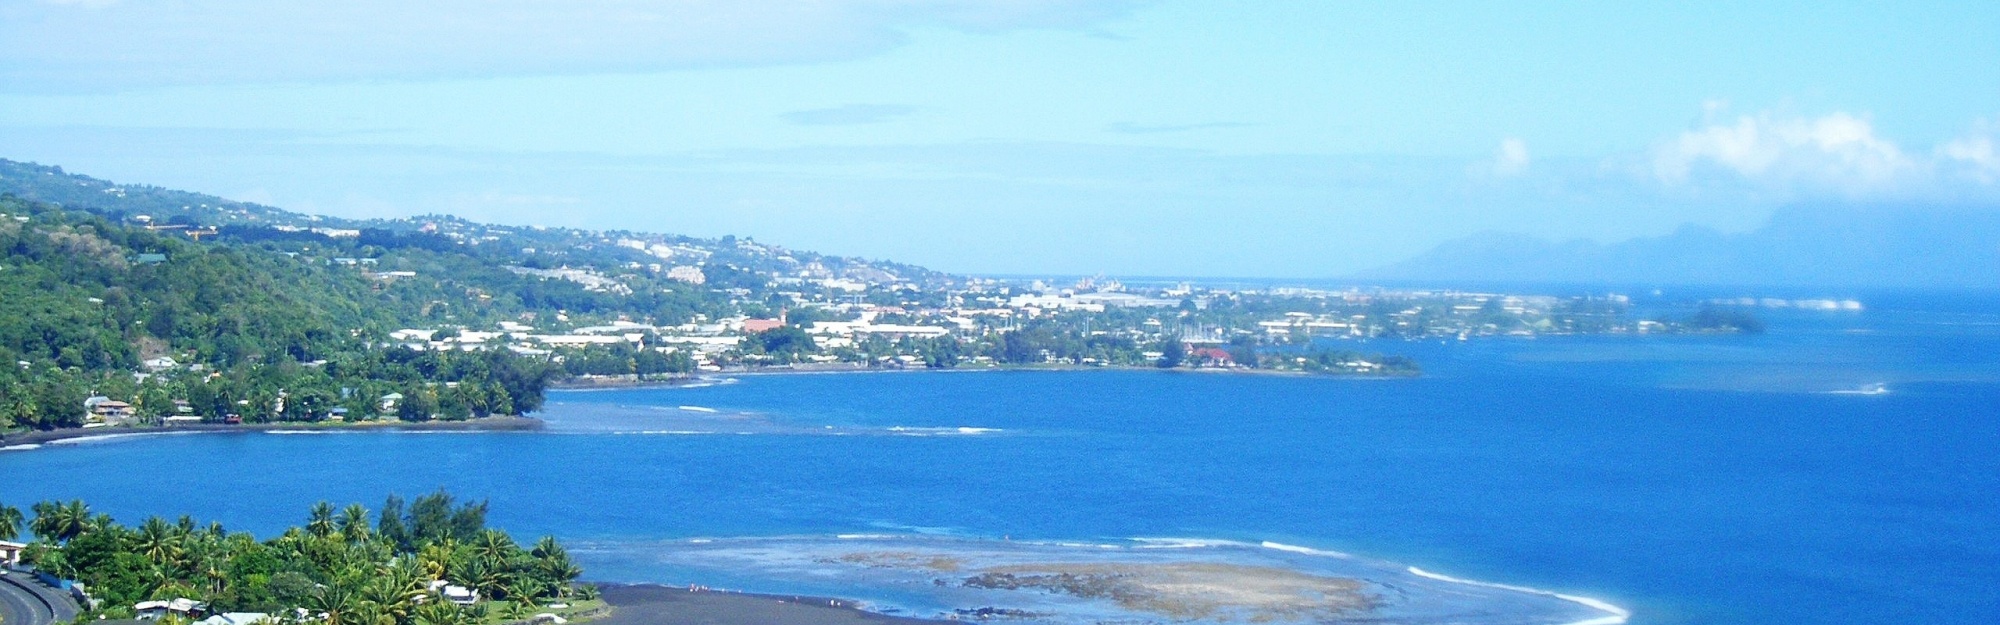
[237,310]
[228,328]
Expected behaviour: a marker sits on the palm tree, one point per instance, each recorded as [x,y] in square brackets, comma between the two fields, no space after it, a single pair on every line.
[211,564]
[396,589]
[354,525]
[440,613]
[319,522]
[59,522]
[561,572]
[337,602]
[524,591]
[483,575]
[436,558]
[160,543]
[10,522]
[494,546]
[44,524]
[548,547]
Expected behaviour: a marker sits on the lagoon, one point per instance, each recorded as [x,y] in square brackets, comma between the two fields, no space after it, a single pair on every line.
[1689,479]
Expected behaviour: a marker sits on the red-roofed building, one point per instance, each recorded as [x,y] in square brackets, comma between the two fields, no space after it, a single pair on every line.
[1212,355]
[760,326]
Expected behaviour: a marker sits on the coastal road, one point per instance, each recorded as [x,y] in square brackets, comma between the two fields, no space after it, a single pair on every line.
[26,601]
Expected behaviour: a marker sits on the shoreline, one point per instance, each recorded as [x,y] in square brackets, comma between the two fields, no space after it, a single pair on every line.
[626,382]
[482,424]
[653,604]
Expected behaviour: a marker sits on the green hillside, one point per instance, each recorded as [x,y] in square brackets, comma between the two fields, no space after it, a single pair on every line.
[85,302]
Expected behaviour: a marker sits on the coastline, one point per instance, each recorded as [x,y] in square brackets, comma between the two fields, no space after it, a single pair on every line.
[621,382]
[482,424]
[649,604]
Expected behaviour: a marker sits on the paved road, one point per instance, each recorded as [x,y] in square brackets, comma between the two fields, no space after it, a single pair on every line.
[25,601]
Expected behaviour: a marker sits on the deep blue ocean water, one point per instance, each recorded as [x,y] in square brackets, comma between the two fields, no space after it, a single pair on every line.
[1692,479]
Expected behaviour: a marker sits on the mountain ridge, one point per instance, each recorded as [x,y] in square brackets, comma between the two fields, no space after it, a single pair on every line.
[1854,246]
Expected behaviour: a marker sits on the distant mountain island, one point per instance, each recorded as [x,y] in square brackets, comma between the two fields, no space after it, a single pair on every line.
[1853,246]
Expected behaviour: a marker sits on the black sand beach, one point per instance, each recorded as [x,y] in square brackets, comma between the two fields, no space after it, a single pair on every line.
[663,605]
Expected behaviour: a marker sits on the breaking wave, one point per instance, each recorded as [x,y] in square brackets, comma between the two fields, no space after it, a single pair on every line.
[1052,582]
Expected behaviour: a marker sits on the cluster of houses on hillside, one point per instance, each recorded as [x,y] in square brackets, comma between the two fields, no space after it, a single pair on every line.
[979,308]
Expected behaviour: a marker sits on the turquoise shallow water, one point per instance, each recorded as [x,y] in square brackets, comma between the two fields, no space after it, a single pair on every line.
[1688,479]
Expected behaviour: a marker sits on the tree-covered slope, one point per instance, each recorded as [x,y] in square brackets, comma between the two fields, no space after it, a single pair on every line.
[85,302]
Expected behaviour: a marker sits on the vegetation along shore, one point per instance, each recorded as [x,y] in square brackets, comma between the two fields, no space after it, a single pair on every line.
[432,561]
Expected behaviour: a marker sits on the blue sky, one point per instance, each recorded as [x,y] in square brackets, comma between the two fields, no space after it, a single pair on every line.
[1298,139]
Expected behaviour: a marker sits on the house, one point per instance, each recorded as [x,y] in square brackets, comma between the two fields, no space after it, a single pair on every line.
[760,326]
[461,595]
[149,259]
[10,552]
[1212,355]
[454,592]
[236,618]
[161,363]
[108,408]
[182,607]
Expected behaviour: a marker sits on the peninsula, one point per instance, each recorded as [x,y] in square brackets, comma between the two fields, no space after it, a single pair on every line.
[136,306]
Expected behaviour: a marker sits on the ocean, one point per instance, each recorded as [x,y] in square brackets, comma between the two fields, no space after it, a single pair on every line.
[1682,479]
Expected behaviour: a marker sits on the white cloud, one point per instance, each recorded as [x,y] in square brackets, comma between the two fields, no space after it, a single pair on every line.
[87,45]
[1838,151]
[1512,157]
[1973,156]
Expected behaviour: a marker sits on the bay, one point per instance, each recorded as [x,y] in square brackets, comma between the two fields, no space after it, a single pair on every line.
[1689,479]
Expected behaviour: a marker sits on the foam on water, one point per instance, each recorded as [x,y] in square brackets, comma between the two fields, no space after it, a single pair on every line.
[1184,543]
[112,438]
[1056,582]
[1616,616]
[1305,550]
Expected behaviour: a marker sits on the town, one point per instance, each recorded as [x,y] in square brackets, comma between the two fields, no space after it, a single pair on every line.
[437,317]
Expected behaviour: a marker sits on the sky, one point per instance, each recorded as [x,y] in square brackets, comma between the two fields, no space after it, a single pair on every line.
[1126,137]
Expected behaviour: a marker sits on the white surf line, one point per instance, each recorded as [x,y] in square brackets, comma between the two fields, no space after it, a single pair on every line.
[1616,615]
[1305,550]
[699,409]
[102,438]
[1171,542]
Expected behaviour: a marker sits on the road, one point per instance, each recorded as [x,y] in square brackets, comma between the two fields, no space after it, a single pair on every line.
[25,601]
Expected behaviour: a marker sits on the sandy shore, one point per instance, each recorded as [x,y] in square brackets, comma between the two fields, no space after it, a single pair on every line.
[662,605]
[484,424]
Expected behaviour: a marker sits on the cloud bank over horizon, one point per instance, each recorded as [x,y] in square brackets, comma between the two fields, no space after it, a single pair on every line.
[1838,155]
